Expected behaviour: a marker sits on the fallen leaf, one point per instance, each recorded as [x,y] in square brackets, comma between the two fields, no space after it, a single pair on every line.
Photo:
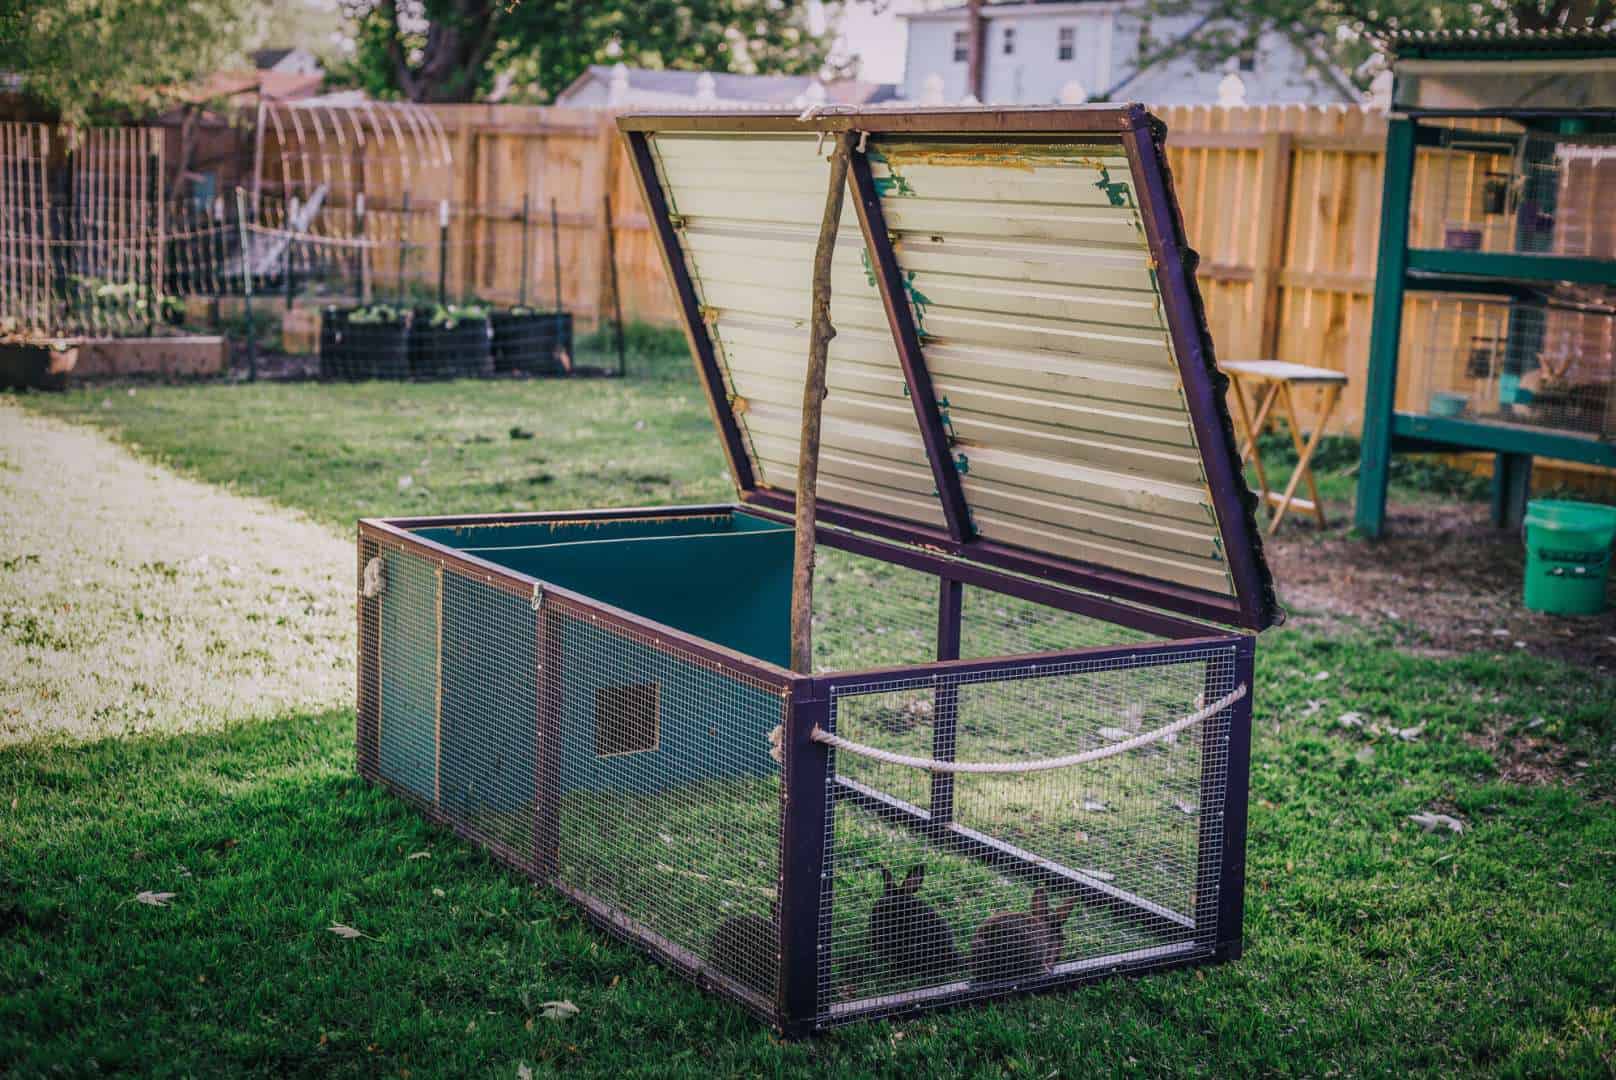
[347,933]
[1409,734]
[1431,822]
[1321,676]
[1366,755]
[1097,875]
[418,855]
[1313,706]
[406,482]
[523,1072]
[1094,806]
[438,892]
[155,899]
[558,1010]
[1186,807]
[1114,734]
[1350,719]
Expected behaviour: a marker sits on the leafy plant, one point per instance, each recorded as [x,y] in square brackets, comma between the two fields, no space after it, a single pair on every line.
[449,316]
[375,315]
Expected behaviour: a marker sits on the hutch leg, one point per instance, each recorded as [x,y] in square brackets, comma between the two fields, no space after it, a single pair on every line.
[949,597]
[805,887]
[1386,329]
[1512,487]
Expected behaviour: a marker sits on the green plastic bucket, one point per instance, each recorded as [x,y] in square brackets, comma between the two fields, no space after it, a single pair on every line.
[1568,555]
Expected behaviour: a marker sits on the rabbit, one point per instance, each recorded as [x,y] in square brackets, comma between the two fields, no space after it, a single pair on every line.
[1016,944]
[745,948]
[906,934]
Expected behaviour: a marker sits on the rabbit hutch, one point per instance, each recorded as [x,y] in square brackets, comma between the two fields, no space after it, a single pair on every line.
[1020,759]
[1495,291]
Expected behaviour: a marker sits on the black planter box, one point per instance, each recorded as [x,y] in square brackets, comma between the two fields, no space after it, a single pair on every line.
[532,342]
[449,352]
[375,350]
[336,359]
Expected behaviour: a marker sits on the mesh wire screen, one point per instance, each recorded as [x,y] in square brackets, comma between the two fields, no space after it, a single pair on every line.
[995,624]
[636,777]
[1515,191]
[1545,362]
[947,888]
[668,796]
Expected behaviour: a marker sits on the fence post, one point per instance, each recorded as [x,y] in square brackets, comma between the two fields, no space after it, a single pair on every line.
[291,235]
[443,251]
[154,237]
[246,285]
[403,243]
[617,300]
[360,296]
[1273,220]
[521,295]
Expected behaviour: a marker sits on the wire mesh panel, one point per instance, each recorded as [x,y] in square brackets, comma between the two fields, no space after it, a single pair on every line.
[449,696]
[949,887]
[667,790]
[996,624]
[1544,361]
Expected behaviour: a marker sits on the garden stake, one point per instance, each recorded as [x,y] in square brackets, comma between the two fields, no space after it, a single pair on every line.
[617,300]
[443,251]
[521,289]
[820,333]
[246,286]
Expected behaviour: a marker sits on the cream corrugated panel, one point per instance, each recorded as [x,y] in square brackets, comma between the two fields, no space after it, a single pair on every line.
[748,208]
[1041,325]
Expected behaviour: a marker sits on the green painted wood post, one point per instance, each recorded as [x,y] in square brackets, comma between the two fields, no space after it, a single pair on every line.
[1386,329]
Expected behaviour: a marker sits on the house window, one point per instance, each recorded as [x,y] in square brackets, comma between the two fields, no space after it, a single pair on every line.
[626,719]
[1066,43]
[1009,41]
[962,46]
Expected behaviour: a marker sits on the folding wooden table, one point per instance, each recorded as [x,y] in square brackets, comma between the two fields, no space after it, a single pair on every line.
[1277,378]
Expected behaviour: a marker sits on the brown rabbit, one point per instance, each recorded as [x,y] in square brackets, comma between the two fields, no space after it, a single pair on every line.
[1016,944]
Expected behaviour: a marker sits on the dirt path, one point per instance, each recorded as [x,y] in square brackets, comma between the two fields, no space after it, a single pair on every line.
[132,599]
[1443,578]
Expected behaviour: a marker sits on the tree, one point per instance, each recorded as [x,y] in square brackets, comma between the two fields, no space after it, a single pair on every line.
[94,59]
[456,50]
[1348,32]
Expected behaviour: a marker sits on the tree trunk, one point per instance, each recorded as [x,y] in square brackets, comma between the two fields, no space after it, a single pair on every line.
[820,333]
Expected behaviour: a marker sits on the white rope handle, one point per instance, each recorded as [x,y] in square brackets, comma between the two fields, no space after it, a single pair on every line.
[820,735]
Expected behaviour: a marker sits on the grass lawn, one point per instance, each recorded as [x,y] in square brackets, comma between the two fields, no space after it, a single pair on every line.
[1373,947]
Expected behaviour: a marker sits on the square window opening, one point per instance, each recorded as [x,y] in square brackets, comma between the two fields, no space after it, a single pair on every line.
[962,46]
[626,719]
[1066,43]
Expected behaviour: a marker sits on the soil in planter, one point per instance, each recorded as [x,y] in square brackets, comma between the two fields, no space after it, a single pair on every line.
[532,342]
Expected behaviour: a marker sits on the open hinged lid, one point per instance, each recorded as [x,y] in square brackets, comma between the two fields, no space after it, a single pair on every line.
[1021,374]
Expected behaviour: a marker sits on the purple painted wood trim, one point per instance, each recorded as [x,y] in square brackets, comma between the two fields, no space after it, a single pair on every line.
[987,120]
[701,342]
[900,318]
[950,595]
[1236,788]
[1220,675]
[1203,384]
[956,838]
[723,659]
[1033,665]
[804,921]
[1196,603]
[917,1002]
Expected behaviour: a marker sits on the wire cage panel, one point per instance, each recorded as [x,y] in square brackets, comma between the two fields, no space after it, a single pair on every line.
[1491,186]
[942,888]
[668,797]
[1543,360]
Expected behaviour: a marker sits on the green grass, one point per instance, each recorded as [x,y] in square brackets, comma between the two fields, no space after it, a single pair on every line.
[1373,947]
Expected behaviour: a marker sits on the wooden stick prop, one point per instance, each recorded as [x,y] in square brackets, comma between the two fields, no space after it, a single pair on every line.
[813,396]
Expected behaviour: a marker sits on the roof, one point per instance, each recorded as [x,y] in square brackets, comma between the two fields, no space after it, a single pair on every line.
[269,85]
[731,87]
[1021,374]
[268,58]
[1500,44]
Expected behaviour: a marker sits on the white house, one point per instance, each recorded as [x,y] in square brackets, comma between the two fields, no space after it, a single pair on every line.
[1039,53]
[621,85]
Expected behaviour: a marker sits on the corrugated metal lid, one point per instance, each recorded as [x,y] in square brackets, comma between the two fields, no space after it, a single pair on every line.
[1021,374]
